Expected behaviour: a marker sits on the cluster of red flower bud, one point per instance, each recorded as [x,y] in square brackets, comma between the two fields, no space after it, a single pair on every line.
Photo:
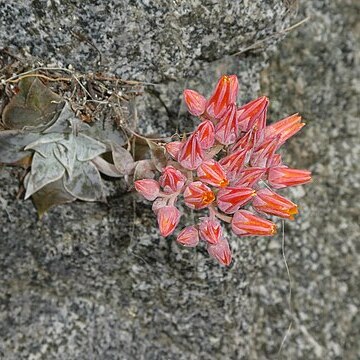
[229,162]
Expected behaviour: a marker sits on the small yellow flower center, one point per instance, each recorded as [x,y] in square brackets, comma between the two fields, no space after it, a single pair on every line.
[223,183]
[208,197]
[292,211]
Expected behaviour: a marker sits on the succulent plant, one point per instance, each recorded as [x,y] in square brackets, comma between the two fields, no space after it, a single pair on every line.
[65,153]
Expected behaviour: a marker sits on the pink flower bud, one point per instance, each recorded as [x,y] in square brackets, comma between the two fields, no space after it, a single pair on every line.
[206,134]
[250,176]
[195,102]
[171,180]
[191,154]
[220,252]
[189,237]
[284,128]
[245,223]
[168,218]
[225,94]
[231,199]
[248,114]
[272,203]
[233,163]
[226,130]
[264,152]
[210,230]
[276,160]
[246,142]
[281,176]
[198,196]
[212,173]
[173,148]
[148,188]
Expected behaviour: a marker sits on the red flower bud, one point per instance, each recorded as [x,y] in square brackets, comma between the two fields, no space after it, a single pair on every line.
[231,199]
[191,154]
[210,230]
[189,237]
[250,176]
[148,188]
[253,113]
[225,94]
[281,176]
[198,196]
[171,180]
[226,130]
[168,218]
[234,163]
[247,142]
[272,203]
[212,173]
[220,252]
[276,160]
[195,102]
[245,223]
[284,128]
[173,148]
[264,152]
[206,134]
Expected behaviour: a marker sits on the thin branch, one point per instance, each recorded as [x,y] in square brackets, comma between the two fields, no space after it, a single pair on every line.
[283,32]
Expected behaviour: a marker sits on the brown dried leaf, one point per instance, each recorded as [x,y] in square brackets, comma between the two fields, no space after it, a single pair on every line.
[51,195]
[32,107]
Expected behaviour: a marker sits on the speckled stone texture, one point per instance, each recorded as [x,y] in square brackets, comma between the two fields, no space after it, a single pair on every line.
[96,281]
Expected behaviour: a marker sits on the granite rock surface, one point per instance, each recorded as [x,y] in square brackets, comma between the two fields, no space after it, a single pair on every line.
[96,281]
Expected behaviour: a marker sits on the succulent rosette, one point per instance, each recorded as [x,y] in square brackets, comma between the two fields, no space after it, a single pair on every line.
[230,167]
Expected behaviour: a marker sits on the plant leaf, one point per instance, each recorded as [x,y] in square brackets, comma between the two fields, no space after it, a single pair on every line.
[105,167]
[32,107]
[105,131]
[65,121]
[51,195]
[123,160]
[43,171]
[88,148]
[45,139]
[85,183]
[157,155]
[144,169]
[65,152]
[12,144]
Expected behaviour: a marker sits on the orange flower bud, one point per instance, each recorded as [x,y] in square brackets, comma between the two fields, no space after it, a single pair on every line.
[198,196]
[272,203]
[225,94]
[168,218]
[195,102]
[212,173]
[245,223]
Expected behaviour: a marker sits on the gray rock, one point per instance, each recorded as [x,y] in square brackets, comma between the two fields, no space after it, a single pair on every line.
[96,281]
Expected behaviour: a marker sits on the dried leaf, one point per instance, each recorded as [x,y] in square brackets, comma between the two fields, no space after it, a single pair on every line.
[88,148]
[105,131]
[144,169]
[51,195]
[123,160]
[43,172]
[85,183]
[12,144]
[32,107]
[157,155]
